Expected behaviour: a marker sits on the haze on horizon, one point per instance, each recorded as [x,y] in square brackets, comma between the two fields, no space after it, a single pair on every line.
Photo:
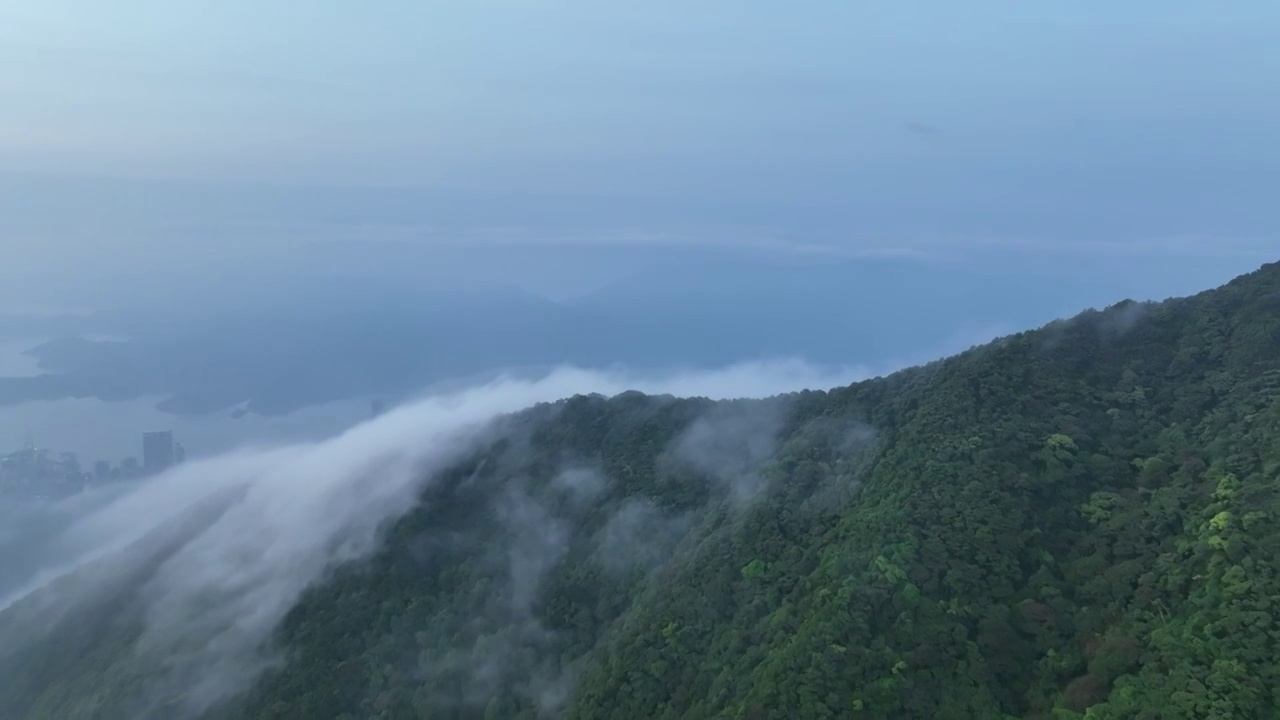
[270,202]
[555,145]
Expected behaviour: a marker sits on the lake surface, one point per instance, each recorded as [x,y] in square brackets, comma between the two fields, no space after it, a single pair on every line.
[112,431]
[100,430]
[13,361]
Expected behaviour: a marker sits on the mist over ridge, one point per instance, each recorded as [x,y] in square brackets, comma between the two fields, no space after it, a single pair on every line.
[913,541]
[227,544]
[660,360]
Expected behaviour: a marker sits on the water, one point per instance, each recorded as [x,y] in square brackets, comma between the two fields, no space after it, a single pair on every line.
[98,430]
[13,363]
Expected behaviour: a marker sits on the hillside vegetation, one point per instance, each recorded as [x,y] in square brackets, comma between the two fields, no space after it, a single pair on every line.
[1078,521]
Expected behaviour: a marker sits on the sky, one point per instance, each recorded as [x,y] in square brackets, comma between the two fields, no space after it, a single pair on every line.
[554,144]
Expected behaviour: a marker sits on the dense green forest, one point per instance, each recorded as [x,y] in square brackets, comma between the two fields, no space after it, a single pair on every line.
[1076,521]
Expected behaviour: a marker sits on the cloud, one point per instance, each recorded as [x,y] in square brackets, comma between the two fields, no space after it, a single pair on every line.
[582,485]
[223,548]
[729,445]
[538,541]
[505,637]
[850,443]
[1119,319]
[640,535]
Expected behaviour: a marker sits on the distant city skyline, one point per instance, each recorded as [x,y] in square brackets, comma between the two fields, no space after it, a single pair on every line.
[45,472]
[159,451]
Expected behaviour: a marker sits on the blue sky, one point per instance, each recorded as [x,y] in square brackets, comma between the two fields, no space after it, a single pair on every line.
[218,134]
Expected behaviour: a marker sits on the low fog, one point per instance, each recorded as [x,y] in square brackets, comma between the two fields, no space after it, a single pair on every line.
[729,444]
[225,546]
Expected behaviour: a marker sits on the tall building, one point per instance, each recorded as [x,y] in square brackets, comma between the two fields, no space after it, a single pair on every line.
[375,408]
[157,451]
[179,454]
[102,470]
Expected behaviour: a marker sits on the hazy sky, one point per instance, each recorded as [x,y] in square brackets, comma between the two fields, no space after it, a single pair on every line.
[814,126]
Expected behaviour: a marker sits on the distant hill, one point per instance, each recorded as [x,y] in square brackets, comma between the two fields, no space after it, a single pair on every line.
[278,350]
[1080,518]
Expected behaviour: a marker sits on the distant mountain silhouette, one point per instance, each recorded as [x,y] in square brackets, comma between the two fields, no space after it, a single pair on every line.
[344,338]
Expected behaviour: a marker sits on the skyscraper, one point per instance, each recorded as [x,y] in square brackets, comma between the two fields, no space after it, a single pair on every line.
[157,451]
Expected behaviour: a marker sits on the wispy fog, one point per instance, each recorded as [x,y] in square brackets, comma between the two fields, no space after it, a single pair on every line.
[729,444]
[231,541]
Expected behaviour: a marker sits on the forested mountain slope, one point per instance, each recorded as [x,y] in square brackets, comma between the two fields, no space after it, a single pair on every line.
[1080,520]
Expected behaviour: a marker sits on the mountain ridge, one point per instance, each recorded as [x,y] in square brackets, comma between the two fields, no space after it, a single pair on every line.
[1074,521]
